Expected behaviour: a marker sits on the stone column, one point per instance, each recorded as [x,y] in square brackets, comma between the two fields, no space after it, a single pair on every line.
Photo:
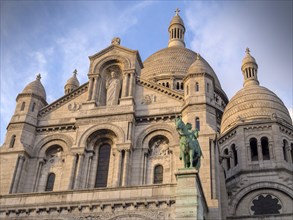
[95,90]
[38,174]
[90,89]
[20,161]
[119,168]
[80,171]
[259,151]
[125,168]
[131,84]
[190,201]
[93,171]
[73,172]
[146,156]
[88,169]
[124,85]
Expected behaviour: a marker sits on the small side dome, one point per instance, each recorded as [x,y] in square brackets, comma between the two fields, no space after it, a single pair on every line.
[36,88]
[72,83]
[199,66]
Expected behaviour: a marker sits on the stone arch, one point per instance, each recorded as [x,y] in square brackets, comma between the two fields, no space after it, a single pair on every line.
[159,129]
[114,128]
[55,139]
[125,62]
[235,201]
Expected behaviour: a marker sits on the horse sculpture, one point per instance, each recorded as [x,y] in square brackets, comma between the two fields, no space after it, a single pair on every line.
[190,150]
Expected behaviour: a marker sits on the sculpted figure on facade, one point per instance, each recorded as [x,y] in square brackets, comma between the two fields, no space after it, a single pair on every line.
[113,86]
[190,150]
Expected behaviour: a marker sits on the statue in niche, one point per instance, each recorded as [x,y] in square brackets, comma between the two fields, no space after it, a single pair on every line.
[113,87]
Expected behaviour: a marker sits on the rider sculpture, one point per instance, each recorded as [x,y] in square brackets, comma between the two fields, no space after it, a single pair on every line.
[190,151]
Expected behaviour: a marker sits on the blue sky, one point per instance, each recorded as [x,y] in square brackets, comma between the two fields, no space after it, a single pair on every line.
[55,37]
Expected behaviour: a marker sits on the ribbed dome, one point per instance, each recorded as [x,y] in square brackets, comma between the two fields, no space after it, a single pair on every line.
[73,81]
[174,61]
[199,66]
[36,88]
[177,20]
[253,103]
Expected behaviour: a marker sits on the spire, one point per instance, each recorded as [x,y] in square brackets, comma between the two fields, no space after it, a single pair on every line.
[176,31]
[38,77]
[249,69]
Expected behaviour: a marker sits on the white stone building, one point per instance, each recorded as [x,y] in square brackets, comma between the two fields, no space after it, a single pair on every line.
[109,149]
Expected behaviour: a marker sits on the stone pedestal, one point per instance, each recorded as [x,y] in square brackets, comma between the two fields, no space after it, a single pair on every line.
[190,201]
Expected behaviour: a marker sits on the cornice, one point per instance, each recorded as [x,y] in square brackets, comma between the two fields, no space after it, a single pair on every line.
[63,100]
[161,89]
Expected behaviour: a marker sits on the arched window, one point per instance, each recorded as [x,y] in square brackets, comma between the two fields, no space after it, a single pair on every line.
[22,106]
[265,148]
[33,107]
[233,148]
[253,149]
[103,166]
[177,86]
[196,87]
[197,123]
[285,145]
[12,141]
[181,86]
[158,174]
[228,165]
[163,84]
[167,85]
[50,182]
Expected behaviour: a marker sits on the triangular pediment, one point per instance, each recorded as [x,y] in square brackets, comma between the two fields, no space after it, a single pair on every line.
[63,100]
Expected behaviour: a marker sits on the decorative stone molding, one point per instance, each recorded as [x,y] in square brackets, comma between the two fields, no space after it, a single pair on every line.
[56,128]
[235,200]
[63,100]
[102,126]
[227,136]
[156,118]
[161,89]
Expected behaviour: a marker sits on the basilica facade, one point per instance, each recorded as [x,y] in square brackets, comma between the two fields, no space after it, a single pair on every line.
[109,149]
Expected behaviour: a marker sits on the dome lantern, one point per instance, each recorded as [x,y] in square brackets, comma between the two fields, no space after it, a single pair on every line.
[249,69]
[176,30]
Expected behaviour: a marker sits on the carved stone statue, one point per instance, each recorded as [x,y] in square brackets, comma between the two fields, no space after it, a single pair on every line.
[113,87]
[190,150]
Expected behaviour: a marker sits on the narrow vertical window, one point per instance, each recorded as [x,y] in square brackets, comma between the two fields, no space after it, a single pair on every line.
[103,166]
[285,144]
[33,107]
[177,85]
[12,141]
[163,84]
[167,85]
[233,148]
[265,148]
[196,87]
[197,123]
[50,182]
[253,149]
[158,174]
[208,87]
[22,106]
[228,165]
[181,86]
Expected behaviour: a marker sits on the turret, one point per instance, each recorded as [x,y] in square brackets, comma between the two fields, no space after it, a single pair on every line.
[72,83]
[249,69]
[176,30]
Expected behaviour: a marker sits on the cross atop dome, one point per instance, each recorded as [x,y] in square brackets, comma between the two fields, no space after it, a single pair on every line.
[247,50]
[39,77]
[75,72]
[177,11]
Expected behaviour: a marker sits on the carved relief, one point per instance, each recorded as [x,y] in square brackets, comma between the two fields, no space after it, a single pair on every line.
[159,146]
[148,99]
[74,107]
